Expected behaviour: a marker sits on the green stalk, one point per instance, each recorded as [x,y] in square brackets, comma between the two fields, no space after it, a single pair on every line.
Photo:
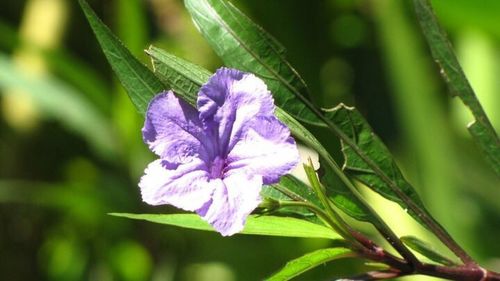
[336,222]
[386,232]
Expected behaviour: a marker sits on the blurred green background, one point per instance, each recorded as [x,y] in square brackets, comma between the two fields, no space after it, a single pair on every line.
[71,148]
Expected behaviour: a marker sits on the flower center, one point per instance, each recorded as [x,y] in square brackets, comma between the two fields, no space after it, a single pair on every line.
[217,168]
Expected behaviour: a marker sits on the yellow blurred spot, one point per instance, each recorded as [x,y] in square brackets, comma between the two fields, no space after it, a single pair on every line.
[208,271]
[41,29]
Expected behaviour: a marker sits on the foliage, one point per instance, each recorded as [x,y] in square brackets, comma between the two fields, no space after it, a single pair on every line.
[326,206]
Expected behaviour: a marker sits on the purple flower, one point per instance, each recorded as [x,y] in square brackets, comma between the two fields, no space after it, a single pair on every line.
[214,160]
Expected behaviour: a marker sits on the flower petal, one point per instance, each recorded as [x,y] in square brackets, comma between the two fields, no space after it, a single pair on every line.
[234,198]
[184,186]
[230,99]
[265,148]
[172,129]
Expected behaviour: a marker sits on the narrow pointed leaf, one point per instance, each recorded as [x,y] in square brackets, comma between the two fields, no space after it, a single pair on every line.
[352,123]
[488,142]
[481,129]
[255,225]
[141,84]
[309,261]
[426,250]
[244,45]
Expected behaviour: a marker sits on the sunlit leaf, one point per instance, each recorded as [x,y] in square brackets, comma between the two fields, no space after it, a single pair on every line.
[426,250]
[244,45]
[140,83]
[309,261]
[255,225]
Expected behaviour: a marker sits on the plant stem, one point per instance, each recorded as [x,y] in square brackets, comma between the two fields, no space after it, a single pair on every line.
[450,273]
[433,225]
[375,220]
[370,250]
[335,221]
[461,273]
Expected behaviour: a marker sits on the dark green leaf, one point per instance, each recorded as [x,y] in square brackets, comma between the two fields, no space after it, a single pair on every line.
[352,123]
[481,129]
[183,77]
[355,127]
[244,45]
[426,250]
[289,188]
[255,225]
[309,261]
[488,143]
[140,83]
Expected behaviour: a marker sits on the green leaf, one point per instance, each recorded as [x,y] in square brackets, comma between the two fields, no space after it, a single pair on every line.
[355,127]
[141,84]
[426,250]
[289,188]
[309,261]
[488,143]
[244,45]
[255,225]
[481,129]
[183,77]
[59,101]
